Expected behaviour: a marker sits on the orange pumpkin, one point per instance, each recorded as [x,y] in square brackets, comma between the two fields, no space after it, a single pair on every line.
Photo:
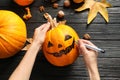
[78,1]
[59,47]
[12,33]
[23,2]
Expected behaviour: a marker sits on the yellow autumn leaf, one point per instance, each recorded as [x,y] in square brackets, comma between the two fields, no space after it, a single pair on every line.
[95,7]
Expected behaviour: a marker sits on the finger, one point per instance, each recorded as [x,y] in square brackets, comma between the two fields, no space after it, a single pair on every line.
[46,27]
[88,42]
[81,46]
[96,54]
[43,26]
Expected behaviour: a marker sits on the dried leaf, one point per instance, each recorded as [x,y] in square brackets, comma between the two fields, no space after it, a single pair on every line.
[29,40]
[103,12]
[26,47]
[95,7]
[92,14]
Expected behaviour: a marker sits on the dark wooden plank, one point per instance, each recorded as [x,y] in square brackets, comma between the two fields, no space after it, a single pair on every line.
[114,3]
[46,2]
[107,68]
[72,17]
[108,31]
[70,14]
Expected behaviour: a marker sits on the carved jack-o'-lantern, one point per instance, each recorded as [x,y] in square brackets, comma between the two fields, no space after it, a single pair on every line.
[59,47]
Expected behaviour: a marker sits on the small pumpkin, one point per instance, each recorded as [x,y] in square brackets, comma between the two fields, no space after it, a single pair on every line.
[78,1]
[12,33]
[24,2]
[59,47]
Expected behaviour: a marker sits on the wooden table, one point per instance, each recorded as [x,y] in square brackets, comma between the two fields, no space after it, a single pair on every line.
[104,35]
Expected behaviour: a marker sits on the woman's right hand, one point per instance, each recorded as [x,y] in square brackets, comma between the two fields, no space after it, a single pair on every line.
[90,58]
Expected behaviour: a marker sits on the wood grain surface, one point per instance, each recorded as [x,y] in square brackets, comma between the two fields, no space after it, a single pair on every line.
[104,35]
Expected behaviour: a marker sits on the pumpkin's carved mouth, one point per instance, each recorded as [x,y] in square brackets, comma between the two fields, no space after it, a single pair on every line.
[63,51]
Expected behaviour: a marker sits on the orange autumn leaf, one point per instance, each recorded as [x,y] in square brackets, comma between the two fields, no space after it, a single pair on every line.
[95,7]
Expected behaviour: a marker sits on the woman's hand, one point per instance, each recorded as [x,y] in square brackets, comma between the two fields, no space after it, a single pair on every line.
[90,59]
[23,70]
[40,33]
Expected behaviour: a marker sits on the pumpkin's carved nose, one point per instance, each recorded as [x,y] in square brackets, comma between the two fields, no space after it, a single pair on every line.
[59,45]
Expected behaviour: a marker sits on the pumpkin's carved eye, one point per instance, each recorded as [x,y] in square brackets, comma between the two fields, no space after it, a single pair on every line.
[50,44]
[67,37]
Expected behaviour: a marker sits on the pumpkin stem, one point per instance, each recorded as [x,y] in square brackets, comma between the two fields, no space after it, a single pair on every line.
[53,22]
